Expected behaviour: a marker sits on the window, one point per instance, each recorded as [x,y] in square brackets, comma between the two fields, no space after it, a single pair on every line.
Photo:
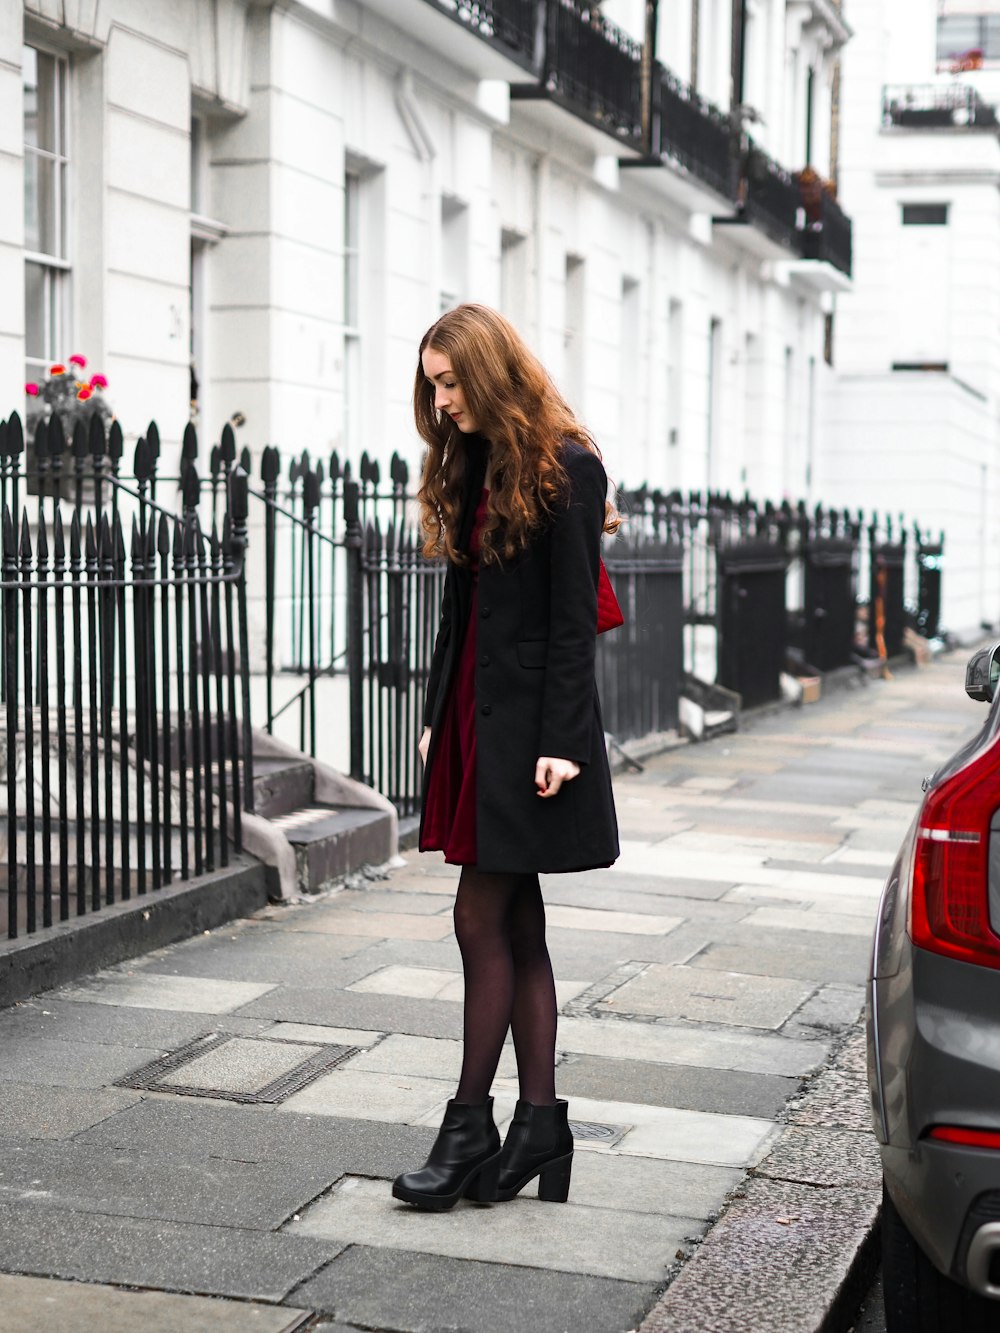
[675,369]
[574,331]
[513,276]
[958,34]
[46,163]
[629,347]
[352,309]
[925,215]
[454,252]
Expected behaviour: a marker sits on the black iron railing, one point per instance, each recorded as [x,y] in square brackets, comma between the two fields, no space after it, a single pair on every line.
[771,200]
[929,106]
[827,233]
[693,132]
[512,25]
[594,68]
[124,677]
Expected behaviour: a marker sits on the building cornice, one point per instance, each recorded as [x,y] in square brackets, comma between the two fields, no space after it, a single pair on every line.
[824,12]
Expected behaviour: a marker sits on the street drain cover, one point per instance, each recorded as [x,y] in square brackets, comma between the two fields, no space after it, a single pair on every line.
[594,1132]
[249,1070]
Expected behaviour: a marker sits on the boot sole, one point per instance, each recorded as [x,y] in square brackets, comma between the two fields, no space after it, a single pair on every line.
[480,1185]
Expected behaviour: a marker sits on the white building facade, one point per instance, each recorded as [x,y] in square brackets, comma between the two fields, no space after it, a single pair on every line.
[913,411]
[259,206]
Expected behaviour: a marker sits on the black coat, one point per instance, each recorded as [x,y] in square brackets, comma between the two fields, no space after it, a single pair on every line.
[535,689]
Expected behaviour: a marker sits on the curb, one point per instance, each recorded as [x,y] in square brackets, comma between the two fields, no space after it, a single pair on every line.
[70,949]
[797,1245]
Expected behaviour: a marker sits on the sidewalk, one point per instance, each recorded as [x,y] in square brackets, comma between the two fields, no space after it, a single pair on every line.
[717,966]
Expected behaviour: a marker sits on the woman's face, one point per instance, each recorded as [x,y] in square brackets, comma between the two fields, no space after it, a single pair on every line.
[448,396]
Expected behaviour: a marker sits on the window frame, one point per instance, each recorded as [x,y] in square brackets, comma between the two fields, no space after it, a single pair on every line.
[56,268]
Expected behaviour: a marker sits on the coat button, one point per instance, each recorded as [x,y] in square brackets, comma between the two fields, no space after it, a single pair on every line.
[486,710]
[484,660]
[485,613]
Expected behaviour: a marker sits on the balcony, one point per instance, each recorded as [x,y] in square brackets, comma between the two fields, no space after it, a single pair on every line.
[932,106]
[694,140]
[791,220]
[591,68]
[827,236]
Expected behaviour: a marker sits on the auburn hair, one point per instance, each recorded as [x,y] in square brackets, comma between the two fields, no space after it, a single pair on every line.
[518,409]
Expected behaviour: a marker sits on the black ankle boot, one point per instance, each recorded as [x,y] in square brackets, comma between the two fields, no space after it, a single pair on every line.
[465,1159]
[539,1143]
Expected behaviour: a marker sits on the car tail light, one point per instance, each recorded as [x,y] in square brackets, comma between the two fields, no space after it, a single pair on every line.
[968,1138]
[949,904]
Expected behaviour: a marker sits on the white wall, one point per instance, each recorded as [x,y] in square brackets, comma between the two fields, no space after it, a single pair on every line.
[925,443]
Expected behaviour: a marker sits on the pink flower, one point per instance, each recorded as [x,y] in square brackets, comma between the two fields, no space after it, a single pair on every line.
[57,370]
[78,360]
[31,390]
[83,394]
[98,381]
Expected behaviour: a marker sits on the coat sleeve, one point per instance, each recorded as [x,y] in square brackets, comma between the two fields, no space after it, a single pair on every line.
[440,647]
[568,709]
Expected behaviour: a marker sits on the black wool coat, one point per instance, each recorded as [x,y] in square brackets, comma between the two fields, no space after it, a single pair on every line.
[535,689]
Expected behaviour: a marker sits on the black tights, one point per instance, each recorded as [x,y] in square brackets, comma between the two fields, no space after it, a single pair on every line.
[500,927]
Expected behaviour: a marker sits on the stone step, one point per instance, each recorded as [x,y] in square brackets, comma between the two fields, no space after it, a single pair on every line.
[281,786]
[330,842]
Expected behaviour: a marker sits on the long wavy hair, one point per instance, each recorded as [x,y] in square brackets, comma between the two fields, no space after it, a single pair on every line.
[518,409]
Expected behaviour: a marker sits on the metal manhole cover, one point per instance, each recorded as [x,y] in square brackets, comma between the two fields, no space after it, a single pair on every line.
[593,1132]
[248,1070]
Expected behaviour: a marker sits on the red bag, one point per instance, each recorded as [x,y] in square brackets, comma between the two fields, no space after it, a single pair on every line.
[609,613]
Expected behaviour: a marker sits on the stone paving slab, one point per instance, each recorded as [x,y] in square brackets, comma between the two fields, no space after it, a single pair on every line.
[797,954]
[374,1013]
[431,1057]
[380,925]
[360,1095]
[702,1046]
[66,1064]
[34,1111]
[155,990]
[418,1292]
[651,1184]
[256,1196]
[812,918]
[684,1087]
[573,1238]
[136,1252]
[39,1305]
[726,997]
[98,1024]
[194,1131]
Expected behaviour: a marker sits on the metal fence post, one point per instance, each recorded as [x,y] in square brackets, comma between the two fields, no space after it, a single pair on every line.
[353,543]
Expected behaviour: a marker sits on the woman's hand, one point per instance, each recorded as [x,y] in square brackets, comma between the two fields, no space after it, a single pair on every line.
[550,774]
[424,744]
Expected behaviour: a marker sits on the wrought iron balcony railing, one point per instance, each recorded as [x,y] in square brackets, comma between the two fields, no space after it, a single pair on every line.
[515,26]
[771,200]
[932,106]
[693,132]
[594,68]
[828,234]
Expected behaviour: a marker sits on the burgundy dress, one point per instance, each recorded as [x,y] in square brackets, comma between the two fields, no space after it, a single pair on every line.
[450,807]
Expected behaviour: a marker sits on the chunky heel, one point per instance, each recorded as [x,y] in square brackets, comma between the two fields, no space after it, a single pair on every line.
[483,1186]
[553,1181]
[539,1143]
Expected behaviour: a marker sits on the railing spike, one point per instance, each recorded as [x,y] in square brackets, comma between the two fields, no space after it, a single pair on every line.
[15,436]
[189,444]
[95,437]
[227,444]
[116,441]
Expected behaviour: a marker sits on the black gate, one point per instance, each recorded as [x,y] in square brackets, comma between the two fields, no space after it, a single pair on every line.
[930,561]
[830,602]
[886,619]
[639,665]
[752,629]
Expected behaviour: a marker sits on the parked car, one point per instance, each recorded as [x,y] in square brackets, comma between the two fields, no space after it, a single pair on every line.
[934,1042]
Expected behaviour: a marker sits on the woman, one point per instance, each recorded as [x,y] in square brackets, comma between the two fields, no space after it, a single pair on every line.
[516,772]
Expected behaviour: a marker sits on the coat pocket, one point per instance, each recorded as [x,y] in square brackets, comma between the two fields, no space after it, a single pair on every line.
[533,653]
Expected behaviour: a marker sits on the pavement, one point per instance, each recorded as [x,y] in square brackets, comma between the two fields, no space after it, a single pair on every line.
[203,1138]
